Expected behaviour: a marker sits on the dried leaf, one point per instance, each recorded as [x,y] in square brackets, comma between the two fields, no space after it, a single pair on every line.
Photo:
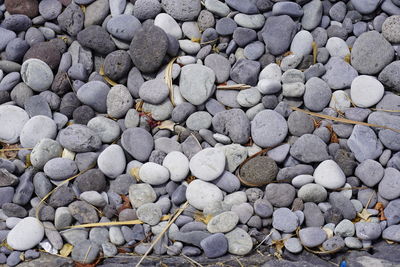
[132,222]
[347,58]
[139,106]
[135,173]
[168,79]
[28,162]
[126,203]
[109,81]
[278,244]
[364,215]
[196,40]
[390,242]
[315,52]
[167,125]
[379,207]
[201,217]
[66,250]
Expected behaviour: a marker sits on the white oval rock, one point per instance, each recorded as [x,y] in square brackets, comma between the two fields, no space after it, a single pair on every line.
[177,164]
[112,161]
[239,242]
[26,234]
[199,194]
[168,24]
[302,43]
[223,222]
[366,91]
[208,164]
[269,86]
[337,47]
[36,129]
[302,179]
[37,74]
[339,100]
[272,72]
[153,173]
[12,120]
[329,175]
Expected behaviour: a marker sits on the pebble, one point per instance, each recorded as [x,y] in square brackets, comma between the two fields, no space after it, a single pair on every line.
[31,69]
[285,220]
[140,194]
[368,230]
[258,171]
[26,234]
[13,120]
[268,128]
[112,161]
[364,143]
[94,94]
[339,74]
[312,193]
[239,242]
[366,91]
[137,142]
[389,186]
[215,245]
[329,175]
[79,138]
[223,223]
[233,123]
[200,193]
[85,252]
[312,236]
[302,43]
[293,245]
[309,148]
[345,228]
[370,172]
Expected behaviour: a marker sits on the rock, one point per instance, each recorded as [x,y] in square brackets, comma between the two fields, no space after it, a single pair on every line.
[339,74]
[245,72]
[250,21]
[309,148]
[335,243]
[370,172]
[107,129]
[154,91]
[346,207]
[391,233]
[148,48]
[390,29]
[301,43]
[329,175]
[32,69]
[60,168]
[223,222]
[268,128]
[112,161]
[28,8]
[388,76]
[83,212]
[149,213]
[366,91]
[97,39]
[199,120]
[368,230]
[123,26]
[364,143]
[337,47]
[119,101]
[312,14]
[365,7]
[186,10]
[71,19]
[312,236]
[12,119]
[278,33]
[373,47]
[312,193]
[146,9]
[137,142]
[233,123]
[258,171]
[199,194]
[389,185]
[96,12]
[312,215]
[208,164]
[220,65]
[284,220]
[215,245]
[153,174]
[239,242]
[37,128]
[140,194]
[85,252]
[177,164]
[117,65]
[345,228]
[293,245]
[280,195]
[26,234]
[79,138]
[94,94]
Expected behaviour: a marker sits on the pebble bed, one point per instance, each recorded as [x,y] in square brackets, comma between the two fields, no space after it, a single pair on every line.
[134,110]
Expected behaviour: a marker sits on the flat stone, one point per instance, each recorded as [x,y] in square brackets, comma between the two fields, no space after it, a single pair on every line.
[283,219]
[366,91]
[26,234]
[112,161]
[140,194]
[199,194]
[137,142]
[208,164]
[389,185]
[79,138]
[312,236]
[364,143]
[239,242]
[13,120]
[329,175]
[268,128]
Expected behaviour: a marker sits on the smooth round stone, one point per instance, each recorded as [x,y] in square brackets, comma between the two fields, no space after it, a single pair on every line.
[312,15]
[60,168]
[225,26]
[390,29]
[50,9]
[169,25]
[36,74]
[119,101]
[317,94]
[189,47]
[269,86]
[365,7]
[368,230]
[12,120]
[161,111]
[312,236]
[239,242]
[177,164]
[248,98]
[302,179]
[339,74]
[37,128]
[329,175]
[371,52]
[258,171]
[94,198]
[268,128]
[94,94]
[146,9]
[293,245]
[112,161]
[254,51]
[223,223]
[196,83]
[26,234]
[312,193]
[353,242]
[208,164]
[154,91]
[389,185]
[340,100]
[370,172]
[137,142]
[215,245]
[199,120]
[392,233]
[153,173]
[85,251]
[250,21]
[302,43]
[185,10]
[283,219]
[45,150]
[123,26]
[107,129]
[217,7]
[149,213]
[200,194]
[79,138]
[220,65]
[337,47]
[366,91]
[345,228]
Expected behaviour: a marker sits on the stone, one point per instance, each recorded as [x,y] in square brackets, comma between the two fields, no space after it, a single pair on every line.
[329,175]
[146,9]
[280,195]
[37,128]
[26,234]
[366,91]
[32,69]
[245,71]
[60,168]
[337,47]
[302,43]
[137,142]
[107,129]
[285,220]
[268,128]
[140,194]
[154,91]
[196,83]
[220,65]
[28,8]
[258,171]
[312,193]
[85,252]
[365,7]
[391,233]
[199,194]
[119,101]
[94,94]
[373,47]
[153,173]
[83,212]
[368,230]
[199,120]
[389,185]
[123,27]
[149,213]
[312,236]
[388,76]
[239,242]
[370,172]
[96,12]
[215,245]
[97,39]
[223,222]
[71,19]
[182,10]
[293,245]
[233,123]
[312,215]
[91,180]
[79,138]
[345,228]
[339,74]
[309,148]
[278,33]
[148,48]
[117,64]
[364,143]
[346,207]
[255,21]
[208,164]
[335,243]
[112,161]
[13,120]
